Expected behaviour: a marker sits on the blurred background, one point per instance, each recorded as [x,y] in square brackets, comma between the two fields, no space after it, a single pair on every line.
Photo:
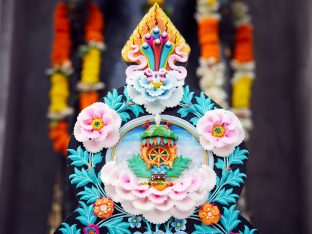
[32,174]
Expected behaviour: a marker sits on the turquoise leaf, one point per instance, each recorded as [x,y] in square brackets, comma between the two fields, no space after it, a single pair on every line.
[136,109]
[203,229]
[237,156]
[90,195]
[79,158]
[194,120]
[203,104]
[225,197]
[116,226]
[187,95]
[186,102]
[229,218]
[234,178]
[220,164]
[248,231]
[69,229]
[80,178]
[96,159]
[86,216]
[93,177]
[113,99]
[124,116]
[183,112]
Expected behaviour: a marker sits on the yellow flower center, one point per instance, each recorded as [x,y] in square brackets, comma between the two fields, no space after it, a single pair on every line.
[157,85]
[178,224]
[97,124]
[218,131]
[134,220]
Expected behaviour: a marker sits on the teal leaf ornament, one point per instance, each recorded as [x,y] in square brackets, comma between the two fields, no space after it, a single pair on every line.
[138,167]
[117,226]
[178,166]
[225,197]
[80,177]
[203,229]
[229,218]
[86,216]
[66,229]
[202,105]
[248,231]
[90,195]
[117,103]
[113,99]
[237,156]
[78,157]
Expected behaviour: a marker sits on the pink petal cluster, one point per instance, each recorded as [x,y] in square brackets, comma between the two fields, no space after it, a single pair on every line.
[232,132]
[95,139]
[157,206]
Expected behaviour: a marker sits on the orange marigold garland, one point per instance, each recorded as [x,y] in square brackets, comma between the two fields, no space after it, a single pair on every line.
[243,65]
[62,69]
[59,75]
[211,68]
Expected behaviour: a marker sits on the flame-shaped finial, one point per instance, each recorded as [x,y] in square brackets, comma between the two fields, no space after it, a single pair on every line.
[155,24]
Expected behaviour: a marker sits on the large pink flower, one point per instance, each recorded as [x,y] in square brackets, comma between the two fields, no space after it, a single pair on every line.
[220,131]
[157,206]
[97,127]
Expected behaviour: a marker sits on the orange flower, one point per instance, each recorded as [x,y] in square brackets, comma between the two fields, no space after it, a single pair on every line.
[88,98]
[62,41]
[94,24]
[209,214]
[243,51]
[103,207]
[208,34]
[59,135]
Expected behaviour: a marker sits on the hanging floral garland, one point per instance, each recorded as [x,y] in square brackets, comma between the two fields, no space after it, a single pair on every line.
[91,54]
[62,69]
[243,65]
[59,77]
[211,69]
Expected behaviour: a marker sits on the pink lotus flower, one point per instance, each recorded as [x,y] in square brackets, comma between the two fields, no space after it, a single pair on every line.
[220,131]
[97,127]
[157,206]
